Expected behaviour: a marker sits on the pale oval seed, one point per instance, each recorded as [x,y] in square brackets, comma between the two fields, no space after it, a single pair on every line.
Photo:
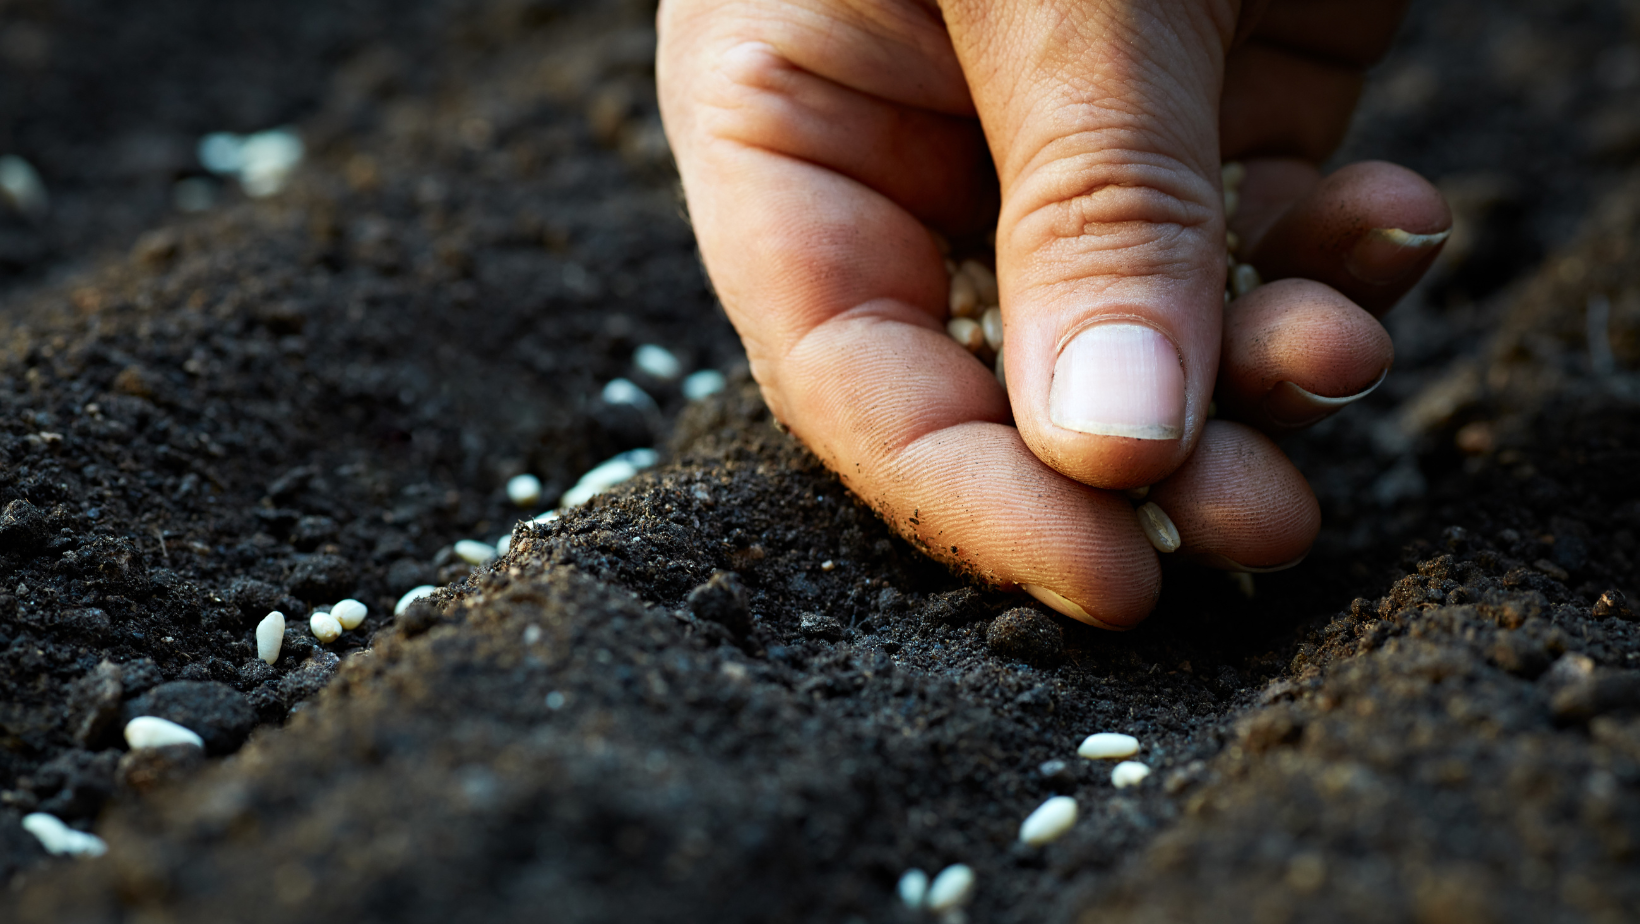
[147,731]
[967,332]
[991,322]
[350,613]
[1232,201]
[703,384]
[1001,375]
[61,840]
[985,281]
[658,361]
[503,545]
[1243,279]
[474,552]
[1128,773]
[411,596]
[951,888]
[524,490]
[270,636]
[1232,173]
[1049,822]
[326,628]
[1107,745]
[913,888]
[964,300]
[1158,527]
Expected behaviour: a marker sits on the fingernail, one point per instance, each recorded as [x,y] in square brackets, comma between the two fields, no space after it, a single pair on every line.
[1065,607]
[1220,562]
[1386,255]
[1117,379]
[1291,406]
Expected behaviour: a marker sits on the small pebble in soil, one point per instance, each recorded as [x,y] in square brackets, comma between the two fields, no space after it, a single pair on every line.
[722,599]
[658,361]
[411,596]
[951,889]
[626,391]
[607,475]
[350,613]
[1158,527]
[474,552]
[1108,746]
[58,838]
[1049,822]
[524,490]
[270,636]
[326,628]
[146,731]
[20,184]
[703,384]
[1128,773]
[913,888]
[1025,634]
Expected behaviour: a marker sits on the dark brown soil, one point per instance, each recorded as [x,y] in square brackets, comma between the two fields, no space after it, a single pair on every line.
[725,692]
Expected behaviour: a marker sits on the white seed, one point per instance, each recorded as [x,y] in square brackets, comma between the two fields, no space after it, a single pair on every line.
[1243,279]
[703,384]
[1001,376]
[913,888]
[411,596]
[626,391]
[828,565]
[964,298]
[1232,173]
[951,888]
[658,361]
[985,281]
[1107,745]
[532,634]
[350,613]
[1158,527]
[547,517]
[1049,822]
[474,552]
[524,490]
[503,545]
[1128,773]
[967,332]
[991,323]
[20,184]
[1232,202]
[607,475]
[58,838]
[147,731]
[270,636]
[326,628]
[267,159]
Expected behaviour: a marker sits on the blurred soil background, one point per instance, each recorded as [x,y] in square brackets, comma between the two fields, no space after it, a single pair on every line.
[212,406]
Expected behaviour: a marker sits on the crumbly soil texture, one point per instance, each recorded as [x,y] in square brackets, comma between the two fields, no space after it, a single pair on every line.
[725,690]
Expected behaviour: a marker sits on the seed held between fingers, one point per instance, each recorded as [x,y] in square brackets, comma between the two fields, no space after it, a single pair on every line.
[967,332]
[964,298]
[1158,527]
[985,281]
[991,323]
[1243,279]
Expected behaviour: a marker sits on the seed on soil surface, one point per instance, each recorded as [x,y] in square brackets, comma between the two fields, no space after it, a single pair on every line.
[1108,745]
[628,392]
[326,628]
[59,839]
[991,323]
[146,731]
[474,552]
[985,281]
[1128,773]
[1158,527]
[951,888]
[524,490]
[503,545]
[1243,279]
[607,475]
[658,361]
[967,332]
[270,636]
[964,298]
[828,565]
[20,184]
[1613,603]
[913,888]
[1049,822]
[703,384]
[350,613]
[547,517]
[411,596]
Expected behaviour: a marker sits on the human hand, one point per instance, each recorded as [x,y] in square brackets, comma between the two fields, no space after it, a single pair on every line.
[820,140]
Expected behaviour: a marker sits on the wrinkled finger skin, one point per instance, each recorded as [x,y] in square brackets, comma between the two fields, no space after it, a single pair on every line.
[818,142]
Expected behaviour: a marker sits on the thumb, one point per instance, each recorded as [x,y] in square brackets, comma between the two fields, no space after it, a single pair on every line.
[1102,117]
